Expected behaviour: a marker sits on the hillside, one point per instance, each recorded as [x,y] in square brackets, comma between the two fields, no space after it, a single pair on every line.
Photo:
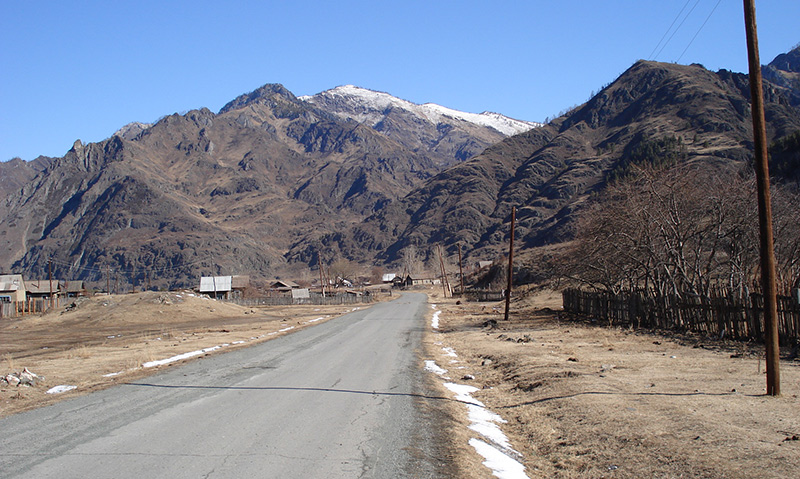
[548,173]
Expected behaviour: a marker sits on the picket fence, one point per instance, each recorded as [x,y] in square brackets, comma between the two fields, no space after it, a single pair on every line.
[16,309]
[721,314]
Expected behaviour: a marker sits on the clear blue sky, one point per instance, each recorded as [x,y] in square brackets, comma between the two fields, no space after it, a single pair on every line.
[82,69]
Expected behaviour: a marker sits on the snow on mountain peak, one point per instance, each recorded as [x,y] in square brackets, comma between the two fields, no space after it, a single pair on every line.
[368,106]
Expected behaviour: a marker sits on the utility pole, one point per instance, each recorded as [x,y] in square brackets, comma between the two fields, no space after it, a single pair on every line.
[460,270]
[445,284]
[764,204]
[321,274]
[50,273]
[510,261]
[108,282]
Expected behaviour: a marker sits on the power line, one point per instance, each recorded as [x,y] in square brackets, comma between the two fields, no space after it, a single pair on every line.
[668,29]
[698,30]
[677,28]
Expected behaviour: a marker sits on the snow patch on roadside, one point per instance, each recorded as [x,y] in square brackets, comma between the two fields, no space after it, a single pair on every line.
[431,366]
[60,389]
[496,450]
[435,320]
[191,354]
[501,465]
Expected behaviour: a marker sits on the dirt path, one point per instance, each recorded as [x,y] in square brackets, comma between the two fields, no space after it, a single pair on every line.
[583,400]
[107,339]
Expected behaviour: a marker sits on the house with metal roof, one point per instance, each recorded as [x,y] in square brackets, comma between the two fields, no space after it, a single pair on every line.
[41,288]
[12,288]
[218,287]
[283,285]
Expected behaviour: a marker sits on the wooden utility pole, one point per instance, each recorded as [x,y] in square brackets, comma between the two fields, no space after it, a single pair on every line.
[764,204]
[50,273]
[460,269]
[108,282]
[510,261]
[441,269]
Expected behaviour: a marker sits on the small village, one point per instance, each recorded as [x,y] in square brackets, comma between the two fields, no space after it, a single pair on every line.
[20,296]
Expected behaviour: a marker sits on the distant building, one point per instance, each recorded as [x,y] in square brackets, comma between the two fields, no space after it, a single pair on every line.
[40,288]
[12,288]
[218,287]
[484,264]
[73,289]
[240,282]
[388,277]
[283,285]
[301,293]
[422,279]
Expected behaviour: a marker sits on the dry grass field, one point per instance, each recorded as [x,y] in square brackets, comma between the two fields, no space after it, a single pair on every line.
[585,400]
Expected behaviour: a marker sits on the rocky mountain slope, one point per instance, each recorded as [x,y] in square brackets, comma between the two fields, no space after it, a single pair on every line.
[205,193]
[784,72]
[15,173]
[549,172]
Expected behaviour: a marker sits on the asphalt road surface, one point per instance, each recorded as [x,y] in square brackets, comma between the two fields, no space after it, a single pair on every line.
[341,399]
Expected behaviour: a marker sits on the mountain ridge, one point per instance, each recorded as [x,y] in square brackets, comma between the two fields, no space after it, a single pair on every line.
[275,184]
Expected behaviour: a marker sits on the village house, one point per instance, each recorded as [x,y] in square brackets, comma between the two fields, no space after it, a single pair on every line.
[73,289]
[224,287]
[217,287]
[41,288]
[12,288]
[283,285]
[420,279]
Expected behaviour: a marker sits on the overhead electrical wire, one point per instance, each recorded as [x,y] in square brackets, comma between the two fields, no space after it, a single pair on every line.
[651,57]
[676,29]
[698,30]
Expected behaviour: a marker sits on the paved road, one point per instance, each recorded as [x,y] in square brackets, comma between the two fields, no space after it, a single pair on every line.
[341,399]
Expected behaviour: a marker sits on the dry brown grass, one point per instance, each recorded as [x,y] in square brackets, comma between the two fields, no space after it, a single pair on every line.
[584,400]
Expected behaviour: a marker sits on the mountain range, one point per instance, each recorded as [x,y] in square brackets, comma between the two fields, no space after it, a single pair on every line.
[272,183]
[231,191]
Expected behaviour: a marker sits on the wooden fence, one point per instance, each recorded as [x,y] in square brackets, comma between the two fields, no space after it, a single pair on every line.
[480,295]
[315,299]
[15,309]
[720,315]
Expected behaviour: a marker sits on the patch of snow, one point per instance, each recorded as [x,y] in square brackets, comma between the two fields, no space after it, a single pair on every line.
[483,422]
[61,389]
[238,342]
[501,465]
[161,362]
[317,319]
[450,352]
[431,366]
[435,320]
[111,375]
